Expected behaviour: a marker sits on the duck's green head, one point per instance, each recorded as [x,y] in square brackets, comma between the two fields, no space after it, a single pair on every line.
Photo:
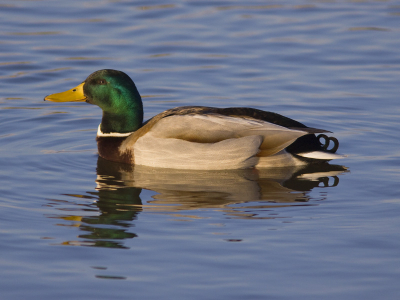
[115,93]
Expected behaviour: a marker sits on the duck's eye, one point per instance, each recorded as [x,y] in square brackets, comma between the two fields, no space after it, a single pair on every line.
[101,81]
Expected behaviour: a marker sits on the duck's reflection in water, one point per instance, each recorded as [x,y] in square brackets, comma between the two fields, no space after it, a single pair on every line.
[237,193]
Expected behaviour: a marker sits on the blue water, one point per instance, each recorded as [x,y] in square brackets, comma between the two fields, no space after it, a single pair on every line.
[73,226]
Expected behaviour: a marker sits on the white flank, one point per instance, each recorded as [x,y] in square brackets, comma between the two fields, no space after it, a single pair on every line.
[279,160]
[112,134]
[321,155]
[236,153]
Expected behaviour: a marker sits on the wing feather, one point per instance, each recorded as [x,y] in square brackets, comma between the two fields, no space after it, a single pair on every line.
[212,128]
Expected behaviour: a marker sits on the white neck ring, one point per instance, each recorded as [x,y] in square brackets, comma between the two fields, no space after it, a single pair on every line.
[111,134]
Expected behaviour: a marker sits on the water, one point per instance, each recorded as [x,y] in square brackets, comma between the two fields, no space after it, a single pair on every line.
[75,226]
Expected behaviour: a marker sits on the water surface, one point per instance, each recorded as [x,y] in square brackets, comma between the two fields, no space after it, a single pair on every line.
[76,226]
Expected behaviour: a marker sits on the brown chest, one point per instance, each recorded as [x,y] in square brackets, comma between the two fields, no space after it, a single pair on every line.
[108,148]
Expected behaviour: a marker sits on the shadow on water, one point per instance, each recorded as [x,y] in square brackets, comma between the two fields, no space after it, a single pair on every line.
[116,202]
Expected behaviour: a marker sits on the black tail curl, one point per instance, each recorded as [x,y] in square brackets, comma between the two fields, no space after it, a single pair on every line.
[327,141]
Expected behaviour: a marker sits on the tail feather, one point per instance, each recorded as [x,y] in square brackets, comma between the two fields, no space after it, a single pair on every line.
[321,155]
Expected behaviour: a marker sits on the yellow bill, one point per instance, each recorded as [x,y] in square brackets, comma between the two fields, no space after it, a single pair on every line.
[73,95]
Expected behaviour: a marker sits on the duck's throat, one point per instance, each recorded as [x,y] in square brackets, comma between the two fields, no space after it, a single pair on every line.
[120,123]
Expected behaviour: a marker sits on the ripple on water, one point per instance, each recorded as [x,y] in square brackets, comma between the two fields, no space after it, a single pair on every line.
[68,217]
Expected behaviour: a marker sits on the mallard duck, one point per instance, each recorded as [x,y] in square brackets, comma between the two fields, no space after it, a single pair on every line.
[194,137]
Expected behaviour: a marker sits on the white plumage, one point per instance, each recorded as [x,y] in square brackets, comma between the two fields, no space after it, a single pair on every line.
[212,142]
